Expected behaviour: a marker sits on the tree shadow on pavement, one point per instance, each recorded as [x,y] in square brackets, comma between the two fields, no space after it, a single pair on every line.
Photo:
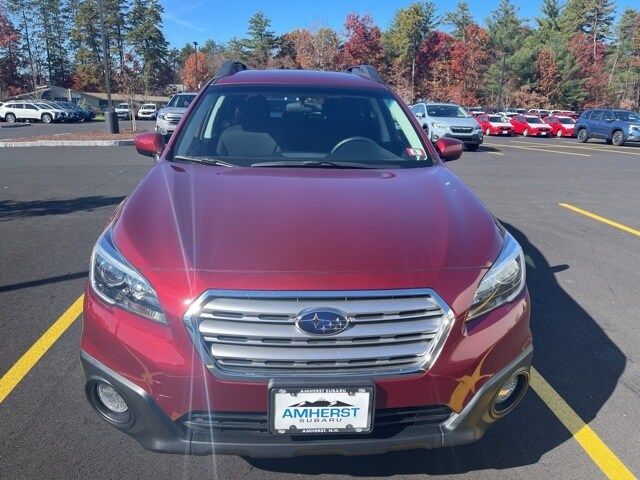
[571,352]
[11,209]
[43,281]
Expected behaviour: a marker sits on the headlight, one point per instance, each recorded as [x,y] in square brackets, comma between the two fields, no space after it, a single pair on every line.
[477,127]
[634,127]
[503,282]
[161,116]
[441,126]
[118,283]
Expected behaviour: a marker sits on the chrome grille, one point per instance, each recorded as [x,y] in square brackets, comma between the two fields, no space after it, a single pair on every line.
[462,129]
[173,118]
[255,333]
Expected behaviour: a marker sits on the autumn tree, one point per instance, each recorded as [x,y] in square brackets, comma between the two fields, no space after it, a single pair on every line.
[548,77]
[468,64]
[312,50]
[85,37]
[363,44]
[197,69]
[592,70]
[10,81]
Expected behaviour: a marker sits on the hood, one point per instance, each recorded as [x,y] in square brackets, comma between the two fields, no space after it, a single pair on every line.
[459,122]
[287,220]
[501,124]
[179,110]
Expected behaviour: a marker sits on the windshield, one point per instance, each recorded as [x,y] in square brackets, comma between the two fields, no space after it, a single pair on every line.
[627,116]
[495,118]
[451,111]
[533,120]
[566,120]
[282,126]
[181,101]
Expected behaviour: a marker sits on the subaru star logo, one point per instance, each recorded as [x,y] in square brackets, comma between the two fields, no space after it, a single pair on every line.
[322,321]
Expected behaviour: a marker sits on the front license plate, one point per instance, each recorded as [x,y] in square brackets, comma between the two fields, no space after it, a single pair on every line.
[318,411]
[543,133]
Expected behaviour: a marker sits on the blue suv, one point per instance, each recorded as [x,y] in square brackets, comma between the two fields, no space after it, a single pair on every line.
[614,126]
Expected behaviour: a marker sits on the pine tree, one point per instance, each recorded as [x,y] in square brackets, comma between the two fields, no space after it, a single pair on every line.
[624,77]
[409,28]
[261,41]
[506,31]
[549,21]
[51,33]
[460,19]
[149,44]
[85,38]
[11,81]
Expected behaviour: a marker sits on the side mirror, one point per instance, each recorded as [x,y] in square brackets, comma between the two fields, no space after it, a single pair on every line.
[449,148]
[150,144]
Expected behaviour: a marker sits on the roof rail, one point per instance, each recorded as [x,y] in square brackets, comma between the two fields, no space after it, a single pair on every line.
[366,71]
[229,67]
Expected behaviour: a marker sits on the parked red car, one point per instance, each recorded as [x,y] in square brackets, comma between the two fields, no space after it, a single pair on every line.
[299,273]
[530,126]
[561,126]
[494,125]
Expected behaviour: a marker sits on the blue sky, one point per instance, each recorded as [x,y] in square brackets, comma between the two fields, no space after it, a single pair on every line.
[198,20]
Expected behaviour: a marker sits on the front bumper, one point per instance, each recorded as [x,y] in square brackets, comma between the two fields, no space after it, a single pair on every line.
[468,139]
[164,127]
[154,430]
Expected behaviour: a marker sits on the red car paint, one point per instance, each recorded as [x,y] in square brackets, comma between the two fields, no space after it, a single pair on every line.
[191,228]
[530,126]
[558,128]
[494,125]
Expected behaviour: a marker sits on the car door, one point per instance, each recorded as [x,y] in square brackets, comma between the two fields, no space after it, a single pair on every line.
[608,119]
[31,112]
[594,125]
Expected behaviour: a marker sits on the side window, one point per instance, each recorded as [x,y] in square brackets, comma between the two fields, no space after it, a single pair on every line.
[607,116]
[29,106]
[415,109]
[587,115]
[17,105]
[596,115]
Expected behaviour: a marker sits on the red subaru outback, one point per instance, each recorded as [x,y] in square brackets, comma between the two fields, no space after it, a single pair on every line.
[299,273]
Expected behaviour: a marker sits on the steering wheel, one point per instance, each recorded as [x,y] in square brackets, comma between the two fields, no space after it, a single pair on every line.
[348,140]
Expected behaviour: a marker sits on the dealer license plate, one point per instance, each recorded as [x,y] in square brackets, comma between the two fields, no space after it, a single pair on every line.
[318,411]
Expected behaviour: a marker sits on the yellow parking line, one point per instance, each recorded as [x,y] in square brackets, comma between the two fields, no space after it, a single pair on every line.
[597,147]
[621,226]
[17,372]
[602,455]
[541,150]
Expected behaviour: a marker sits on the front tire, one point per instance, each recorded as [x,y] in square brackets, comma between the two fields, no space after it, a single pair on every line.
[473,147]
[46,118]
[618,138]
[10,118]
[583,136]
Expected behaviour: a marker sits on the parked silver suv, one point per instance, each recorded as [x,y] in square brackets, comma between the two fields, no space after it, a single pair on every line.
[449,120]
[169,116]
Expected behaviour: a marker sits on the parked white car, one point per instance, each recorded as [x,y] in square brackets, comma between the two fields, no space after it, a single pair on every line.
[148,110]
[123,110]
[31,111]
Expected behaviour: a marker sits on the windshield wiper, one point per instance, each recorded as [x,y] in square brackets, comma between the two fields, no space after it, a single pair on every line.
[313,164]
[204,160]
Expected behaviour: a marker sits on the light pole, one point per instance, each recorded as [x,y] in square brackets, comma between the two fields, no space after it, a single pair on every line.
[110,117]
[195,47]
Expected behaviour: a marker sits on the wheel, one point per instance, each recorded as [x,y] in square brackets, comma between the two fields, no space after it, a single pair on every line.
[526,132]
[472,147]
[559,133]
[488,132]
[583,136]
[10,118]
[618,138]
[46,118]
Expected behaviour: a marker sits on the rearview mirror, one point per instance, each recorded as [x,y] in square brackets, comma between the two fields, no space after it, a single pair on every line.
[449,148]
[150,144]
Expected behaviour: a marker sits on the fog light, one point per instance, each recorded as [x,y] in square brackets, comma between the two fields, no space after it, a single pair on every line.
[506,390]
[111,399]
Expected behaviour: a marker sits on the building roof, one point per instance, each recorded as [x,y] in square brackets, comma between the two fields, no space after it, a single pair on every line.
[121,97]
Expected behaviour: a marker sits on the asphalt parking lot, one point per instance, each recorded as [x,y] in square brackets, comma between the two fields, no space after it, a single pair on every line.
[567,203]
